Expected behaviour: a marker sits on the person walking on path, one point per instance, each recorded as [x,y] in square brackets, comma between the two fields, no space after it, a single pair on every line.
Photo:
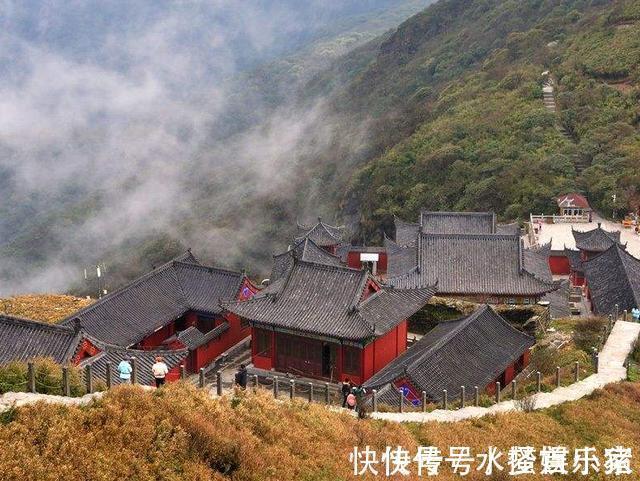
[346,389]
[160,371]
[359,393]
[241,376]
[124,371]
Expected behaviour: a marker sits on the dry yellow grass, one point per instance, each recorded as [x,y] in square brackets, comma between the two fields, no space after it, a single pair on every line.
[179,434]
[42,307]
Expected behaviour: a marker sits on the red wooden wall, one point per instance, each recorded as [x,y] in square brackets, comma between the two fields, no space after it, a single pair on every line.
[559,265]
[353,261]
[373,357]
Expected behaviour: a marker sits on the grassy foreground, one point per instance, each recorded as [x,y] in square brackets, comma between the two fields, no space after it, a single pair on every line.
[179,433]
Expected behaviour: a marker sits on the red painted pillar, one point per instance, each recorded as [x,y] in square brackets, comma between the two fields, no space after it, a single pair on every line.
[526,358]
[274,352]
[509,374]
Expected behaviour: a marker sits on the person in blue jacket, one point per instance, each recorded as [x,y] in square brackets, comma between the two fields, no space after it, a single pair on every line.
[124,371]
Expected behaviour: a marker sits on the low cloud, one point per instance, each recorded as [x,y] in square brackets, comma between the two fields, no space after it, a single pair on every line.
[111,140]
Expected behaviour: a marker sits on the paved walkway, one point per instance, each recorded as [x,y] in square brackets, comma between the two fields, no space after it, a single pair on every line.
[560,234]
[612,358]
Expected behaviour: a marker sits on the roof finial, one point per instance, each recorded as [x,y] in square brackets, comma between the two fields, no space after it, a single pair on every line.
[319,220]
[599,224]
[77,325]
[244,272]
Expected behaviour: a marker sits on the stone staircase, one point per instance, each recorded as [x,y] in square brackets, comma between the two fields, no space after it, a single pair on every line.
[549,100]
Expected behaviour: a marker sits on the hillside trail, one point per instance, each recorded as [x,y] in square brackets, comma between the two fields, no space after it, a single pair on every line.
[550,103]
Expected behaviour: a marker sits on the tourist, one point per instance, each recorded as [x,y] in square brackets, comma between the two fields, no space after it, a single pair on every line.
[359,393]
[351,400]
[160,371]
[635,313]
[241,376]
[124,371]
[346,389]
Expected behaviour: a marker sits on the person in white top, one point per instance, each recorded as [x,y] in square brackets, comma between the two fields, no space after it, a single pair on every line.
[160,371]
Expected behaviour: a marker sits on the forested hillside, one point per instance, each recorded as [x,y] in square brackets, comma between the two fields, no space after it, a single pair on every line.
[131,132]
[467,77]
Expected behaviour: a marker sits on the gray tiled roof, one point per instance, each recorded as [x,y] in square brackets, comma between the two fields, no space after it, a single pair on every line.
[326,301]
[406,232]
[23,339]
[596,240]
[305,250]
[320,233]
[536,261]
[144,360]
[193,338]
[465,264]
[559,300]
[129,314]
[469,352]
[575,260]
[400,260]
[613,277]
[458,222]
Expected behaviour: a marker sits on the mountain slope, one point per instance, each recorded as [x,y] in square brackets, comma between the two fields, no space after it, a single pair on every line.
[124,127]
[484,140]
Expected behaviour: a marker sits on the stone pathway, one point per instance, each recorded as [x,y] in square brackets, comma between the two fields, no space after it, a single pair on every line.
[549,101]
[612,358]
[560,235]
[17,399]
[547,96]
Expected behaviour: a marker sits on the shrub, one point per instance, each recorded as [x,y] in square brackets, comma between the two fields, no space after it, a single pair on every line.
[587,332]
[48,378]
[13,377]
[526,404]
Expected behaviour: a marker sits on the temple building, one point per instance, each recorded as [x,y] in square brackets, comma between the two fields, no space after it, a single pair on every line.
[612,278]
[574,204]
[593,242]
[478,350]
[332,240]
[24,340]
[450,223]
[303,250]
[575,266]
[485,268]
[173,307]
[329,322]
[588,245]
[329,237]
[370,258]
